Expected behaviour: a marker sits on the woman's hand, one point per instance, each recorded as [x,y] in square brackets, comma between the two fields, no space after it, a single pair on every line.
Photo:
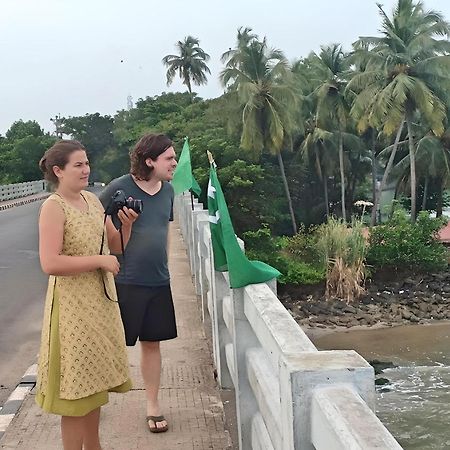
[109,263]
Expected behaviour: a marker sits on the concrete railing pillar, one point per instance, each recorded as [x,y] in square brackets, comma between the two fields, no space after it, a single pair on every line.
[192,237]
[205,274]
[199,219]
[221,332]
[301,373]
[244,339]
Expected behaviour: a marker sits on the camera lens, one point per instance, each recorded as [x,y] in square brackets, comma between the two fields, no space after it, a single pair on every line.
[136,205]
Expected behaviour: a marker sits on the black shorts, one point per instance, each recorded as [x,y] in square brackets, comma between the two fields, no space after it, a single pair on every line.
[147,313]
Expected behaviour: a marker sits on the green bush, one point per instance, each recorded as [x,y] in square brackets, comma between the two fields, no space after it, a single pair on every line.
[401,244]
[260,241]
[262,246]
[303,246]
[302,273]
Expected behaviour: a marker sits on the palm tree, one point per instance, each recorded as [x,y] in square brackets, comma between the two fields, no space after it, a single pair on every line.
[408,73]
[231,58]
[260,76]
[433,164]
[330,71]
[319,148]
[190,64]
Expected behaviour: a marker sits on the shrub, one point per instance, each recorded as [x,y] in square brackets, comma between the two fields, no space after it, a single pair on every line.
[402,244]
[302,273]
[303,246]
[261,245]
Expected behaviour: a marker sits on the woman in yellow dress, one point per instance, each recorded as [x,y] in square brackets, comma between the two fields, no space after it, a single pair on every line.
[82,355]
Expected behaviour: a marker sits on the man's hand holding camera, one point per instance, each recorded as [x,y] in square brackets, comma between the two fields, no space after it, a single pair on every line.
[126,211]
[127,217]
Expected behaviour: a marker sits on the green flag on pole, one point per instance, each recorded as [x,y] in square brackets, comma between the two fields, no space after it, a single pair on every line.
[227,252]
[183,180]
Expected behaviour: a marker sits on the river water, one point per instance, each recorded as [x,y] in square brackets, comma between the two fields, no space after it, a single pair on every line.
[415,405]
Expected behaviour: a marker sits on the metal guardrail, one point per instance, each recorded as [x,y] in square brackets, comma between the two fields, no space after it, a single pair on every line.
[289,395]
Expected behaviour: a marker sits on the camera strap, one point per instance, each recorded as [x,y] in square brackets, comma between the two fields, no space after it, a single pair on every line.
[101,253]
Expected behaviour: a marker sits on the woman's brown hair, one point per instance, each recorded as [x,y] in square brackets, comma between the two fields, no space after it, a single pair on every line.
[58,155]
[149,146]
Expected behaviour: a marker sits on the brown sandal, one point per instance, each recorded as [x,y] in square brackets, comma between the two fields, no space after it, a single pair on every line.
[157,419]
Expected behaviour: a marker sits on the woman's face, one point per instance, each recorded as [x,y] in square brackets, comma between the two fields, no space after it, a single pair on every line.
[75,174]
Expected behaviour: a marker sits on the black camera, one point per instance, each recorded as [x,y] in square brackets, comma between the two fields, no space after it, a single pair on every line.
[118,201]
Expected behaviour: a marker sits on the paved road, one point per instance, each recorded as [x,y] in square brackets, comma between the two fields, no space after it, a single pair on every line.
[22,291]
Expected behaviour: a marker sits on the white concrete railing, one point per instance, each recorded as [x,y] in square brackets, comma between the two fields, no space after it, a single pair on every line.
[17,190]
[289,395]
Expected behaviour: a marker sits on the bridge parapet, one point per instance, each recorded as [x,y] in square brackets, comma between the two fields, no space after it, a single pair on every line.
[289,395]
[18,190]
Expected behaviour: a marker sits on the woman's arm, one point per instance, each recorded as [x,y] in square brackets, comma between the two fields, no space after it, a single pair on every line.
[51,235]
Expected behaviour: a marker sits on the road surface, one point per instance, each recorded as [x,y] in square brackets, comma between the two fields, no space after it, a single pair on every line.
[22,292]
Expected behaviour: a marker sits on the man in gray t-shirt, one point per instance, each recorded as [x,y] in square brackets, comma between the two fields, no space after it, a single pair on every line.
[147,247]
[143,283]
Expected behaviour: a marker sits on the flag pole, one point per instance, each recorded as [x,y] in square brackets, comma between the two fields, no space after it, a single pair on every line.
[192,199]
[210,158]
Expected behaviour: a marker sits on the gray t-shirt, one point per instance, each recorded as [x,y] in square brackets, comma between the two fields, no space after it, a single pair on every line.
[146,253]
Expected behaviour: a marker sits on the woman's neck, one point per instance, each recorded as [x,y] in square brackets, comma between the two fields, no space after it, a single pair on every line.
[68,193]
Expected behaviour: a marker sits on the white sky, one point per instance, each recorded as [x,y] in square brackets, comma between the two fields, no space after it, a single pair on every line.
[64,56]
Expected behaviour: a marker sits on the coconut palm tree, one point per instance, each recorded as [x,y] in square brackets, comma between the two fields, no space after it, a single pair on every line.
[432,156]
[319,148]
[231,58]
[190,64]
[260,77]
[330,72]
[408,72]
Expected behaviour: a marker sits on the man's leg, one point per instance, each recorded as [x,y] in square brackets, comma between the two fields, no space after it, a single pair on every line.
[151,373]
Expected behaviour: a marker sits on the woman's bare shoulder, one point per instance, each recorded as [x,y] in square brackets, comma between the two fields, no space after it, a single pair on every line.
[52,205]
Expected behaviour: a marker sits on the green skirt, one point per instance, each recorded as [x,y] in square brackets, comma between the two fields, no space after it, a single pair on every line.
[50,401]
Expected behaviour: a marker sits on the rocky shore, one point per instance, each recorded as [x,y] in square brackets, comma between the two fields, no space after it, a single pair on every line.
[391,299]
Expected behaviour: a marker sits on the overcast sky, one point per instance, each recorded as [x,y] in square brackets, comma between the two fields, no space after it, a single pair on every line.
[73,57]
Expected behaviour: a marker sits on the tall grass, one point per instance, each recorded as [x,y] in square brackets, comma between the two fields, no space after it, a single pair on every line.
[343,249]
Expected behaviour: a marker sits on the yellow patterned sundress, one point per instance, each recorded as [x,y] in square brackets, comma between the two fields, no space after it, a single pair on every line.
[83,353]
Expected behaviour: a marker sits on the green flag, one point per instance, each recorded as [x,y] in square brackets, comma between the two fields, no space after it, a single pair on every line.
[227,252]
[183,180]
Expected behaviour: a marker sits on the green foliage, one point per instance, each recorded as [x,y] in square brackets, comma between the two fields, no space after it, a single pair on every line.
[262,246]
[252,195]
[303,246]
[302,273]
[261,240]
[95,132]
[24,165]
[21,129]
[21,150]
[399,244]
